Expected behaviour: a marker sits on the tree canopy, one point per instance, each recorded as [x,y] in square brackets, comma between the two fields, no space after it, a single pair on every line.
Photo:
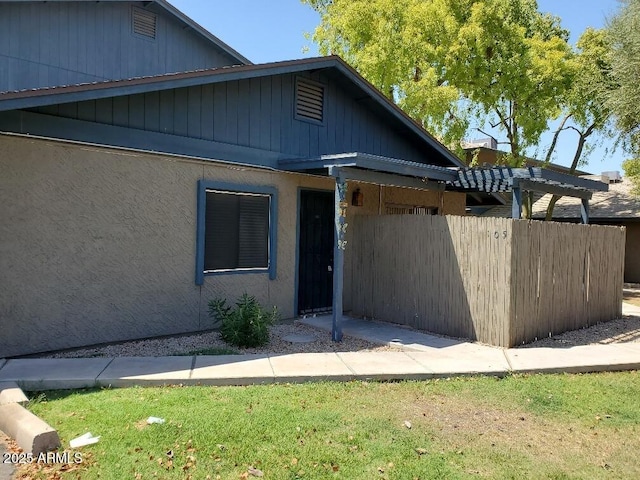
[457,64]
[461,65]
[624,99]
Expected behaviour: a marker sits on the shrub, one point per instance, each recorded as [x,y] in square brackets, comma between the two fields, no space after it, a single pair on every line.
[246,325]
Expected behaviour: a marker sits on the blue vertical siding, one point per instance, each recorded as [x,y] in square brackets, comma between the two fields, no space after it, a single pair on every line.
[62,43]
[258,113]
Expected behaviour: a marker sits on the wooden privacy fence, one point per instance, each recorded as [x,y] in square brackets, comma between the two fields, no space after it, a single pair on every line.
[498,281]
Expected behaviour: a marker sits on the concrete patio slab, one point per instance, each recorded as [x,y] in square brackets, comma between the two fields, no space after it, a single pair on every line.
[382,333]
[128,371]
[303,367]
[472,359]
[633,346]
[231,370]
[384,366]
[581,359]
[53,373]
[630,309]
[299,338]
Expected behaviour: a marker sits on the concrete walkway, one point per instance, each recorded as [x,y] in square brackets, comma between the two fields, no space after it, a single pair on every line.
[424,356]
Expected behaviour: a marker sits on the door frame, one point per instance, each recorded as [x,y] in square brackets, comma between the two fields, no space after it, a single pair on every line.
[296,286]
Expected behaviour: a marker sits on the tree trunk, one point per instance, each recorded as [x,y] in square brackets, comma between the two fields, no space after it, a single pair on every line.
[576,158]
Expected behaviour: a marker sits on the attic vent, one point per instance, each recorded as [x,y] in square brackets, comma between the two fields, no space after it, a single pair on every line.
[309,100]
[144,23]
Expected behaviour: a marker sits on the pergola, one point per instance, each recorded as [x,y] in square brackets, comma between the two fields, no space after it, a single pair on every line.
[529,179]
[393,172]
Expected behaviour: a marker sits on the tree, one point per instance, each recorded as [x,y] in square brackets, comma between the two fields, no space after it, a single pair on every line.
[455,64]
[585,106]
[624,99]
[458,65]
[631,169]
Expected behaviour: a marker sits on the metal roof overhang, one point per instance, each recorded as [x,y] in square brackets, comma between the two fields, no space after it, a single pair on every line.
[367,168]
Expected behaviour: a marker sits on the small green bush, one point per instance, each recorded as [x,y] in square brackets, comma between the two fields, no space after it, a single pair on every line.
[246,325]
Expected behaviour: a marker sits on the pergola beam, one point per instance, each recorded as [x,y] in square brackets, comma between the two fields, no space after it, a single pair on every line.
[380,178]
[534,186]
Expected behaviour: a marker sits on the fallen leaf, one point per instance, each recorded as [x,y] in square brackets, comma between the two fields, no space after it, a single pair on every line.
[407,424]
[334,467]
[294,461]
[421,451]
[380,470]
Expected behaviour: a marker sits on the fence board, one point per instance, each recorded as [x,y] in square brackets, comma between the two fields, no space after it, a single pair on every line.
[498,281]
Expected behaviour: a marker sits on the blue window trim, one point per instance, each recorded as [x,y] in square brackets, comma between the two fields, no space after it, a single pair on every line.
[203,186]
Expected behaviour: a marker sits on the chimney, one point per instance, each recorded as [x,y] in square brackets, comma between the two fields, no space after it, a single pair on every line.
[613,176]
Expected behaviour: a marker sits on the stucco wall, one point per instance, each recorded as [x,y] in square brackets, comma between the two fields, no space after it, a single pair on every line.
[98,245]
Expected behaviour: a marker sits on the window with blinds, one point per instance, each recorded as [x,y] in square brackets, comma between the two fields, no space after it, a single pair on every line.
[236,231]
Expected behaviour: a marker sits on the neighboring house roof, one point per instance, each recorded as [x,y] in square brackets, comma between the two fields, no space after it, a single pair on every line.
[340,70]
[616,204]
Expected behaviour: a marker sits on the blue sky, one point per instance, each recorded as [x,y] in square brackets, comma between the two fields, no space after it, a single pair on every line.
[266,31]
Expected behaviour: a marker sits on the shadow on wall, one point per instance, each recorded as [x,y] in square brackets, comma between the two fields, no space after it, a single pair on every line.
[409,272]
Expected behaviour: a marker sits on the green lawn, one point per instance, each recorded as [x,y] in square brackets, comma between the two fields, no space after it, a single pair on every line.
[553,426]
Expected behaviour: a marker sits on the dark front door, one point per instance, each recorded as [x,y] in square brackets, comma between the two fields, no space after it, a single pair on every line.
[315,260]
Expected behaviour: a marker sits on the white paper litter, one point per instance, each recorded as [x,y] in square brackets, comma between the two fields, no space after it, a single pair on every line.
[151,420]
[82,440]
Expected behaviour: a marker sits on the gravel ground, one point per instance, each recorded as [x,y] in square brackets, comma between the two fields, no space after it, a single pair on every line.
[186,344]
[623,330]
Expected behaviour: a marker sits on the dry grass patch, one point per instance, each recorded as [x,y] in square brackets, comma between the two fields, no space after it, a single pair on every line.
[517,435]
